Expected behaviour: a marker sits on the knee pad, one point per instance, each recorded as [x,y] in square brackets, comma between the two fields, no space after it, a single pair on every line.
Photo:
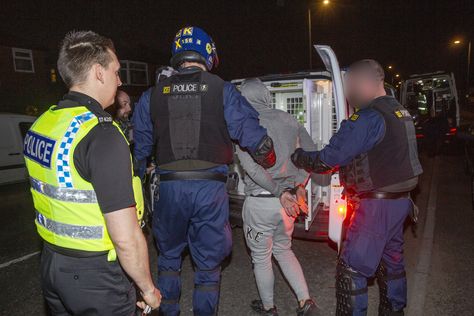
[386,307]
[347,290]
[169,283]
[206,291]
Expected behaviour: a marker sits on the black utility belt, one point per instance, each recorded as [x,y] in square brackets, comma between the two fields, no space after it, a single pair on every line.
[74,252]
[193,175]
[384,195]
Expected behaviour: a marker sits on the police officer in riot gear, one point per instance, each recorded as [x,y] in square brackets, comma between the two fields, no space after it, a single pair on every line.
[194,116]
[376,152]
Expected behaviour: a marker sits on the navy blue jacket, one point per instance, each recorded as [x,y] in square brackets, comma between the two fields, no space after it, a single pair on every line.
[357,135]
[241,119]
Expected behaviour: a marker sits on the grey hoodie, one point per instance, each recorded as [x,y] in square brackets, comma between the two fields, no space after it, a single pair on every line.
[286,133]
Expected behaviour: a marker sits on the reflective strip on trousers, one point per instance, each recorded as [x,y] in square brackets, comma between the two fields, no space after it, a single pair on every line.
[68,230]
[63,194]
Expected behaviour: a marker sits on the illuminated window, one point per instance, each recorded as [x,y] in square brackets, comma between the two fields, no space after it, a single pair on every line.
[133,73]
[23,60]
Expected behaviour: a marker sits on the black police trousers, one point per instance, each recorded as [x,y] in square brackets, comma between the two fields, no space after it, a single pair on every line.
[85,286]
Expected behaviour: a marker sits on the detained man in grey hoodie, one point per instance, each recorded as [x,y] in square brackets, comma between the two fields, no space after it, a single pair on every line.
[271,204]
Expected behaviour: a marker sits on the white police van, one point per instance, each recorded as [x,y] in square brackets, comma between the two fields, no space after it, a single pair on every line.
[316,99]
[13,128]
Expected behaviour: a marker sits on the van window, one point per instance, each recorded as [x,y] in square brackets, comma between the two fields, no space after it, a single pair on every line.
[8,138]
[24,127]
[296,108]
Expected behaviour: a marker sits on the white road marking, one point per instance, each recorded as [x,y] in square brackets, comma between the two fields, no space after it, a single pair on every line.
[416,301]
[25,257]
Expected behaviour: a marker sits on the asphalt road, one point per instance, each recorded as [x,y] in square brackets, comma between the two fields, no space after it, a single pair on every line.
[450,279]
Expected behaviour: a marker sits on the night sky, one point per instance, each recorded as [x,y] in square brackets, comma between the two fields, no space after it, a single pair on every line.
[260,36]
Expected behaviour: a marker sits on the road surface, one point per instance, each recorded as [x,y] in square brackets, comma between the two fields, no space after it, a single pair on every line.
[448,282]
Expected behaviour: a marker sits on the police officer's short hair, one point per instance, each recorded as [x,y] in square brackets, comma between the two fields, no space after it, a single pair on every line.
[79,51]
[368,67]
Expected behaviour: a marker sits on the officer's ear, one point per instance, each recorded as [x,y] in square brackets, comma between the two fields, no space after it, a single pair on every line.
[98,72]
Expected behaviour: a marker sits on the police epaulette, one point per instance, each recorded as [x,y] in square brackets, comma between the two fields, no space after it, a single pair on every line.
[354,117]
[105,119]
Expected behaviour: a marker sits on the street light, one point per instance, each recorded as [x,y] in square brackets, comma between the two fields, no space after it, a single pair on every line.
[392,75]
[310,36]
[458,42]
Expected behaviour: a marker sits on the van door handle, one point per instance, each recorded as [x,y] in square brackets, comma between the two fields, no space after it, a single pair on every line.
[14,154]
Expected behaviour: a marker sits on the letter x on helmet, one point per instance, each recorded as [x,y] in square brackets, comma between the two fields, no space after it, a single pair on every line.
[192,44]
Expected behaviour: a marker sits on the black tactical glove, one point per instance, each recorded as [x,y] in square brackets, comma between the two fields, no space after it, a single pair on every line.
[304,160]
[265,154]
[301,159]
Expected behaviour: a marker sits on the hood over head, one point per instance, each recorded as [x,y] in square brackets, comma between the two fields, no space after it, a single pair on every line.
[255,91]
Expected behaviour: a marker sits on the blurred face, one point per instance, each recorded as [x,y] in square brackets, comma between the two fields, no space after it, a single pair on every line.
[361,88]
[110,80]
[123,105]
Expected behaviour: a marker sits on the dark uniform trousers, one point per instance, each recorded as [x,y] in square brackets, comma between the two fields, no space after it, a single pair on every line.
[85,286]
[375,239]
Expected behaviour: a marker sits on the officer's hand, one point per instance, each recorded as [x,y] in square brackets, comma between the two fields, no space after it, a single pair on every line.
[301,159]
[301,197]
[289,203]
[152,299]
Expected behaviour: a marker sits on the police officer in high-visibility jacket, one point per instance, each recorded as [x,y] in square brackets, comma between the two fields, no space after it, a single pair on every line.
[193,117]
[377,152]
[85,196]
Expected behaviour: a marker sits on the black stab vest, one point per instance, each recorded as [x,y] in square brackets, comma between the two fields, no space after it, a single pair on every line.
[394,160]
[187,112]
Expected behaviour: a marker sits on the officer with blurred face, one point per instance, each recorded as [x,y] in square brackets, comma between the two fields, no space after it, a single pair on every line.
[85,195]
[194,117]
[377,154]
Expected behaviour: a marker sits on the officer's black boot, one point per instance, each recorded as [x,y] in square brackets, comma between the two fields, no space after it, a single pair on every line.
[385,306]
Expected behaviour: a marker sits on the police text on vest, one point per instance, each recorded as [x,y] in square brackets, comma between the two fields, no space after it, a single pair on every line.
[38,148]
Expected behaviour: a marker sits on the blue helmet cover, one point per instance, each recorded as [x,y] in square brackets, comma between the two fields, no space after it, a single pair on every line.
[195,39]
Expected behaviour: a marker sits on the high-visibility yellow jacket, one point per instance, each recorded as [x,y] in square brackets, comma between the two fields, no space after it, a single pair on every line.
[67,212]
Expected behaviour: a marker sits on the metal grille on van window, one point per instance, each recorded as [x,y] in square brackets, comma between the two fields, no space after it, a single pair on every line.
[273,104]
[295,107]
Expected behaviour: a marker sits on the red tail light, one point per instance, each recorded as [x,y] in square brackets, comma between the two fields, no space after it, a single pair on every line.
[452,131]
[342,210]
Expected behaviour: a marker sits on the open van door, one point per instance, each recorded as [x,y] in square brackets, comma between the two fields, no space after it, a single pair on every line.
[337,205]
[332,65]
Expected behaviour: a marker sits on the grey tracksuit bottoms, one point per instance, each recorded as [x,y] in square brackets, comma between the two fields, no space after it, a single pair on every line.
[268,231]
